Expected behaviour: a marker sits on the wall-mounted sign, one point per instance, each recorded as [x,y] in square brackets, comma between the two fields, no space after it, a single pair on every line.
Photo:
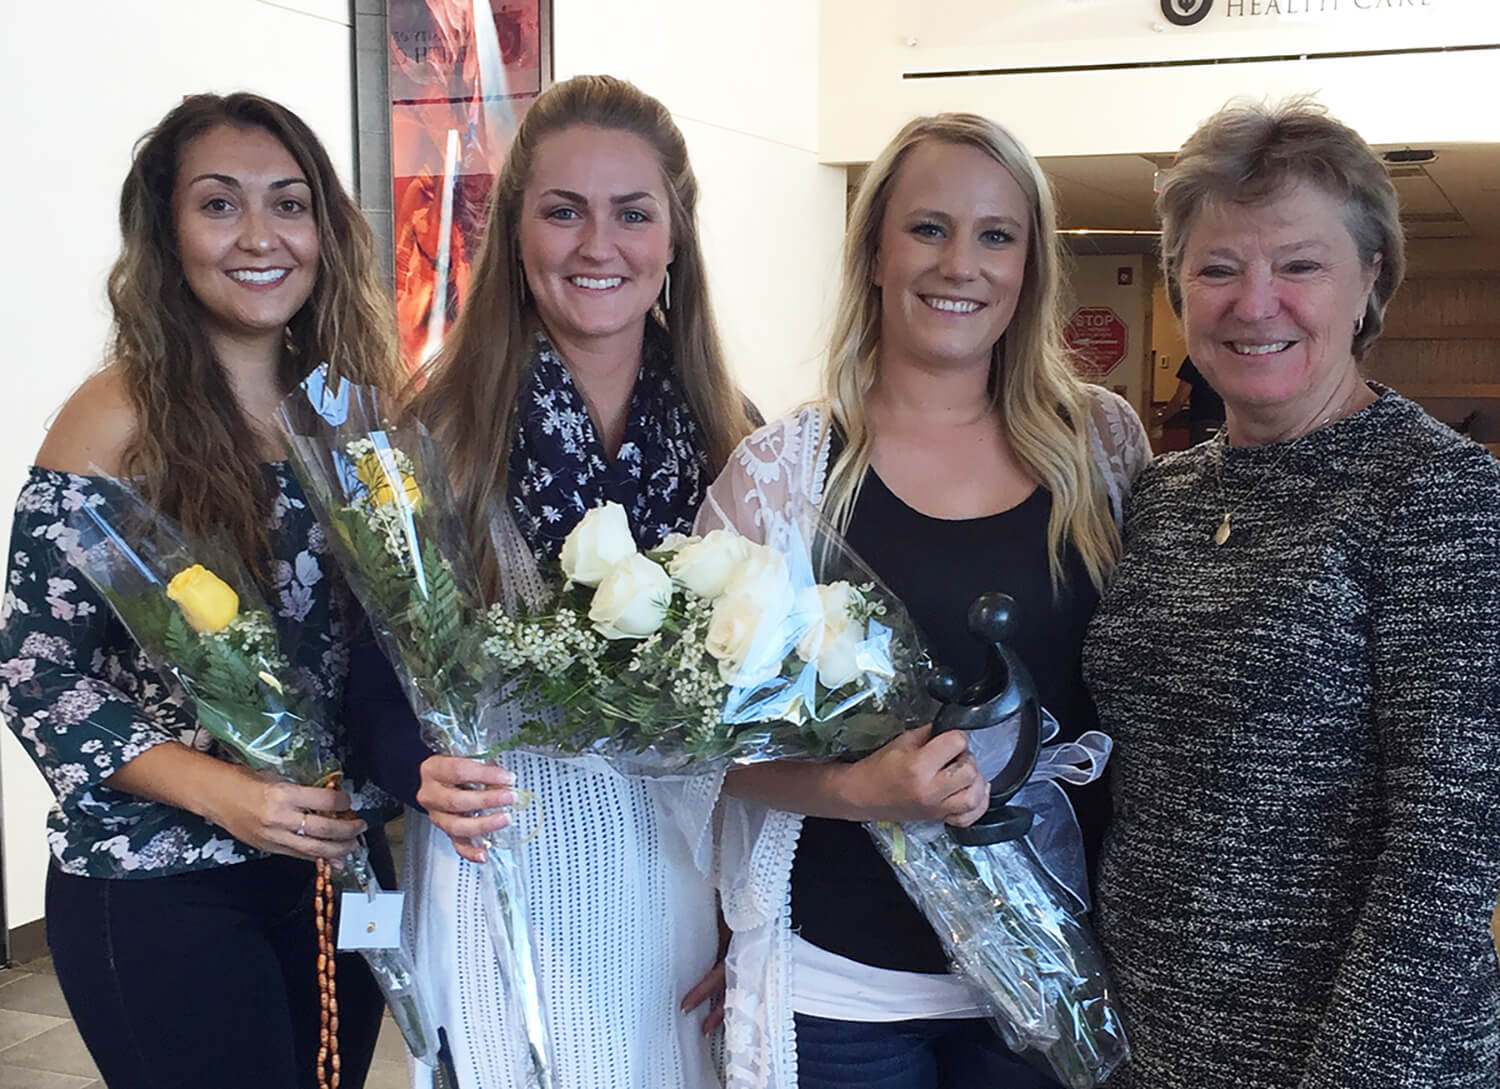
[1193,12]
[1098,340]
[1186,12]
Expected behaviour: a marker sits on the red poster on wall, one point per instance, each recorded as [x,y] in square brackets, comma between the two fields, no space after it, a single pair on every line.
[462,73]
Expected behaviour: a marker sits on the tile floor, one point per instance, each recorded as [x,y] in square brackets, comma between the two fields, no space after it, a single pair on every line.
[40,1048]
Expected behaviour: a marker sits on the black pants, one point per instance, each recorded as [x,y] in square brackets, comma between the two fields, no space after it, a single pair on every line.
[207,978]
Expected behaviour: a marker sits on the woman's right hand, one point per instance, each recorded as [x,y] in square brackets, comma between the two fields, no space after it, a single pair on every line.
[917,777]
[283,818]
[457,792]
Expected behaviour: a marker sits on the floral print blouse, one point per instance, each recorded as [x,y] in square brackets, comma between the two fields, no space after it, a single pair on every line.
[84,700]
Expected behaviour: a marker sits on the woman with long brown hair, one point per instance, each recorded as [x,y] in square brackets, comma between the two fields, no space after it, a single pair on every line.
[584,368]
[179,900]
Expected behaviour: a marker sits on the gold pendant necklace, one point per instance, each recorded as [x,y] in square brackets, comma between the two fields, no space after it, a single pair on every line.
[1226,523]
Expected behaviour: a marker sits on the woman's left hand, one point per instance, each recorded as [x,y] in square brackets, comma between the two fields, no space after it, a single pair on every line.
[711,988]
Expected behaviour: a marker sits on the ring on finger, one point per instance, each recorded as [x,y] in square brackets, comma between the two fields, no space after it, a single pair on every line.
[302,828]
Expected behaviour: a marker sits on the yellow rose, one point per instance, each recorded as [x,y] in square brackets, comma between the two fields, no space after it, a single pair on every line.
[372,474]
[207,602]
[384,495]
[370,470]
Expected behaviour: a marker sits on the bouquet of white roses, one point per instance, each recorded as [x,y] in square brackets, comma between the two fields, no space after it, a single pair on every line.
[380,489]
[194,609]
[705,652]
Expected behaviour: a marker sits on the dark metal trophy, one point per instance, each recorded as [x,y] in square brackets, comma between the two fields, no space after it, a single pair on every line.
[1005,694]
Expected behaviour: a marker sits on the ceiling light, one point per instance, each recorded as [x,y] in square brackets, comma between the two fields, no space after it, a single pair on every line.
[1410,156]
[1106,230]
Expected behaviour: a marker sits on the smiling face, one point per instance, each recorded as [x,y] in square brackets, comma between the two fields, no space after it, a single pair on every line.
[952,256]
[595,234]
[1270,295]
[247,236]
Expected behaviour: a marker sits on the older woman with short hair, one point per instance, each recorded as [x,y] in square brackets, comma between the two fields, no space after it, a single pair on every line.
[1296,888]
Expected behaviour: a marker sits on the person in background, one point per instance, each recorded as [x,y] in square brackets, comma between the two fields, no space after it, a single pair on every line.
[1205,407]
[1299,660]
[179,901]
[584,368]
[958,453]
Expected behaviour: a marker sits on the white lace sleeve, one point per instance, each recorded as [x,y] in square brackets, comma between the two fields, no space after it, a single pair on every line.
[1119,445]
[771,476]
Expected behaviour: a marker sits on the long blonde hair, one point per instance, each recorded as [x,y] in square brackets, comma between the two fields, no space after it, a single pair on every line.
[1043,405]
[193,448]
[469,397]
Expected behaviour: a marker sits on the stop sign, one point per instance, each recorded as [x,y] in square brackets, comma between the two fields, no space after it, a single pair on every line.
[1098,340]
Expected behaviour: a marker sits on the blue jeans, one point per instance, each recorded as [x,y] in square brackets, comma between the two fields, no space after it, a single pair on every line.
[926,1054]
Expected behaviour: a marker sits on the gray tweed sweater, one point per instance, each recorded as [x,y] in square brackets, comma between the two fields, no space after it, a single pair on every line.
[1297,886]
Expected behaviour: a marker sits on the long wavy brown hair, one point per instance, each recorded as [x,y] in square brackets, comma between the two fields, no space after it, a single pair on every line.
[194,451]
[469,397]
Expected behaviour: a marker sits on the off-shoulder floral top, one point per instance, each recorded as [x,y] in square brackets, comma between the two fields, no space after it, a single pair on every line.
[84,700]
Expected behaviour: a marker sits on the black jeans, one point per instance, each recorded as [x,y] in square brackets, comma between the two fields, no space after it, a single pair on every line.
[961,1053]
[209,977]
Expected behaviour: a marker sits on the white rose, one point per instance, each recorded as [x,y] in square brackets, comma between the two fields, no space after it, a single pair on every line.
[675,542]
[835,639]
[834,606]
[762,570]
[707,567]
[601,540]
[632,599]
[838,659]
[743,637]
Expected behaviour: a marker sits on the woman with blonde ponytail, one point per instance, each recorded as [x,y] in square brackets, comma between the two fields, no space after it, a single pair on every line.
[584,368]
[958,453]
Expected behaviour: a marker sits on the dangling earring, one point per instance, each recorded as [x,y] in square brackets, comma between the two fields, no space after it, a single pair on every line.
[1359,324]
[666,290]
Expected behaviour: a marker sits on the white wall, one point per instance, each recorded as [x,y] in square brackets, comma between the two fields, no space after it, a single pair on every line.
[741,81]
[742,85]
[67,150]
[871,44]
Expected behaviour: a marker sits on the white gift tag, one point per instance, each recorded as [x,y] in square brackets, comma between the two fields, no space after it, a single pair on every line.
[370,924]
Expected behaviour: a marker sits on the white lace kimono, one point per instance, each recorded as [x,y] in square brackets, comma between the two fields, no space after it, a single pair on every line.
[780,470]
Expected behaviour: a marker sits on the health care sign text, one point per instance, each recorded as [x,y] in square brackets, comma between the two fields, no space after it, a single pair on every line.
[1192,12]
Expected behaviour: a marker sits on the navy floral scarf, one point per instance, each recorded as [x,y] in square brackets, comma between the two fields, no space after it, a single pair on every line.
[558,468]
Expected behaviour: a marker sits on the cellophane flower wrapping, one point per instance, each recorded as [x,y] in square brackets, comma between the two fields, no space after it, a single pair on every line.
[1018,935]
[191,605]
[380,488]
[703,653]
